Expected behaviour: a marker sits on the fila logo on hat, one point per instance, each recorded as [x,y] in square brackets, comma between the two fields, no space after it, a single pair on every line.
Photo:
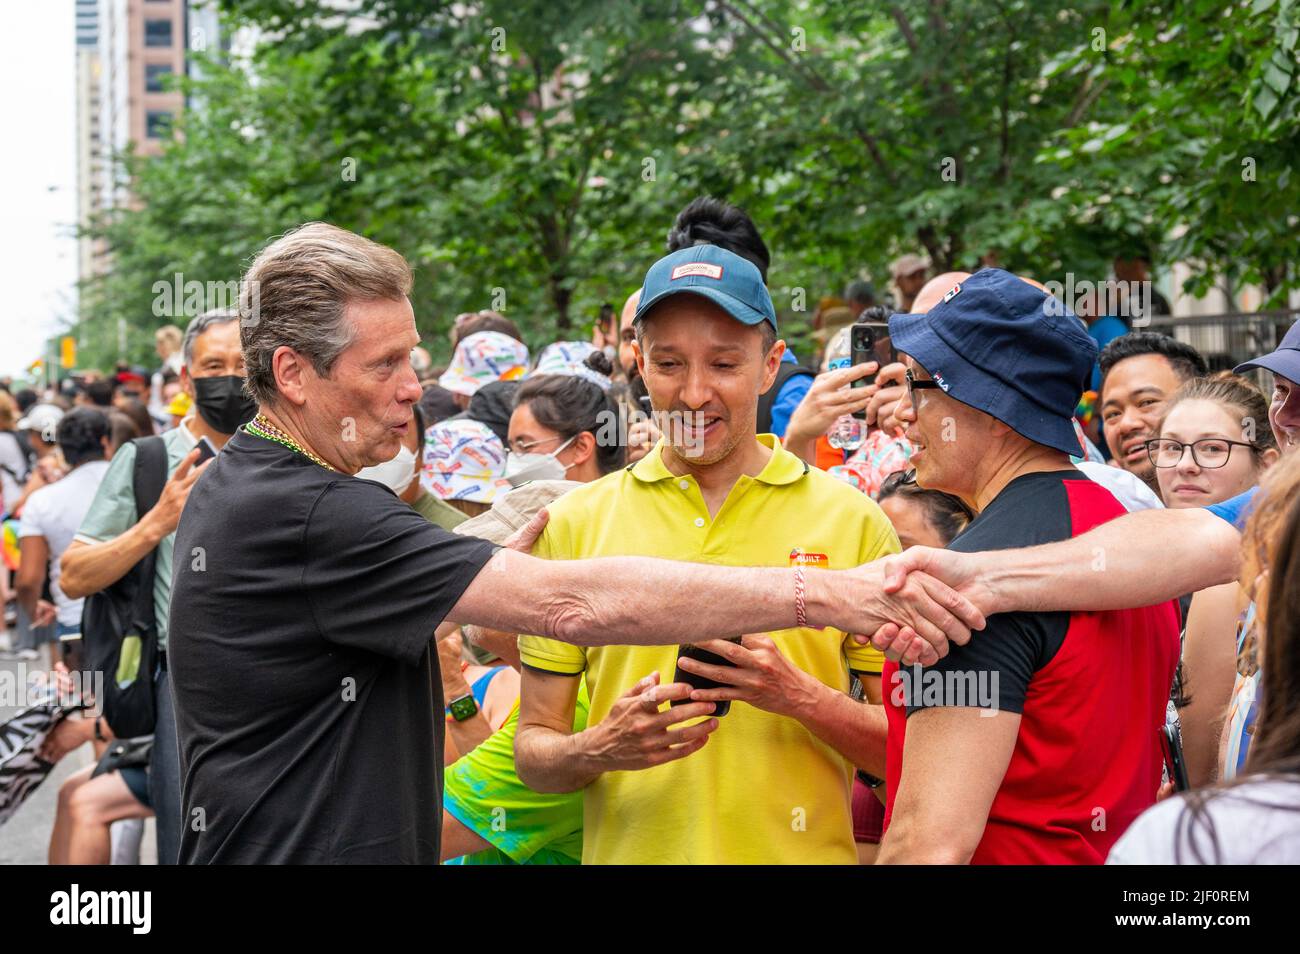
[952,294]
[703,269]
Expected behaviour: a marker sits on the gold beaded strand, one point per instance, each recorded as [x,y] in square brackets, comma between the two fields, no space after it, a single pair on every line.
[262,427]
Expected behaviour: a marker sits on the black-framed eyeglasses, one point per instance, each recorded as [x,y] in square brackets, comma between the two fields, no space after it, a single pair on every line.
[916,384]
[1208,453]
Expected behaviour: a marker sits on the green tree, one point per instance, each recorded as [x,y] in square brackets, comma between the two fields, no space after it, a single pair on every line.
[1201,159]
[531,155]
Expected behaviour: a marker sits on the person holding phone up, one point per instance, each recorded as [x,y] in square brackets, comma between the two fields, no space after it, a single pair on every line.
[868,389]
[115,536]
[769,781]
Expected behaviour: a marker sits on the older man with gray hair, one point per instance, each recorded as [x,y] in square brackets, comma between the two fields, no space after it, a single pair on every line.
[115,535]
[305,600]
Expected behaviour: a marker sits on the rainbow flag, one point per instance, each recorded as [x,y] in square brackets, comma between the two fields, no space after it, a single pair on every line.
[10,546]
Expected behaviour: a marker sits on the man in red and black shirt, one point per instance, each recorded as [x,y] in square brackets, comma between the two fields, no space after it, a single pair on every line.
[1039,740]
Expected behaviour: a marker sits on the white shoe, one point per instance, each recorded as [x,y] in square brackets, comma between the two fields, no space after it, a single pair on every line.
[27,655]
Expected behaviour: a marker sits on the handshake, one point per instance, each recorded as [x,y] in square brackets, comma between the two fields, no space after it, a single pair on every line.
[911,606]
[921,600]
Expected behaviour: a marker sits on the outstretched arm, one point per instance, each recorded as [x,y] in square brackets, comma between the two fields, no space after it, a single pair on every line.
[1139,559]
[646,601]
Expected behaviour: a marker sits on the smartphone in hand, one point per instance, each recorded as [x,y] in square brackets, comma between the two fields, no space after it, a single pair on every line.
[206,451]
[696,681]
[869,341]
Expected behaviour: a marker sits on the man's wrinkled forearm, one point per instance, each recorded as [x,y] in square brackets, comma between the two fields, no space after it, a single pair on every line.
[653,602]
[660,602]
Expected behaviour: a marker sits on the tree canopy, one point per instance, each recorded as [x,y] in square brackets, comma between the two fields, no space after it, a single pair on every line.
[530,155]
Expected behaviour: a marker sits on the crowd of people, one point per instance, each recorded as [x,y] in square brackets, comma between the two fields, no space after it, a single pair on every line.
[635,600]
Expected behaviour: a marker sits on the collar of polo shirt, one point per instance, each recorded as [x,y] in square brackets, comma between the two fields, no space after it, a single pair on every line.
[782,467]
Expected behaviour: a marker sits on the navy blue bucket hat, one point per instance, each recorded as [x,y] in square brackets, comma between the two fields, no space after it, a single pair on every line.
[1006,348]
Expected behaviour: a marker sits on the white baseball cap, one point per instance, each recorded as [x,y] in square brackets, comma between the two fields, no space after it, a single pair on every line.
[43,418]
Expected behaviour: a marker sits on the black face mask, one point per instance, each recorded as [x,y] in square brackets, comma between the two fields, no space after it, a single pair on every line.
[221,402]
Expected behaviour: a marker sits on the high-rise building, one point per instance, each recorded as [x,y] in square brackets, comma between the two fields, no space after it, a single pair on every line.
[141,44]
[126,52]
[89,140]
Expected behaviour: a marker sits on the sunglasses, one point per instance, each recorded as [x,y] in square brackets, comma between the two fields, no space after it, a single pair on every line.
[915,384]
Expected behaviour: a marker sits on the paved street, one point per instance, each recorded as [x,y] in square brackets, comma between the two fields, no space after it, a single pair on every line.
[25,838]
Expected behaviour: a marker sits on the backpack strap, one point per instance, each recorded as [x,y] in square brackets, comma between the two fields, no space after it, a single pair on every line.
[765,401]
[147,480]
[25,449]
[150,472]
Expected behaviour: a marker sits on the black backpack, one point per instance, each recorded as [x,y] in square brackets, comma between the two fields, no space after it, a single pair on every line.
[119,630]
[784,373]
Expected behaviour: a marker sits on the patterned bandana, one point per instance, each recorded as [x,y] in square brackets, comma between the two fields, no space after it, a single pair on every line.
[482,358]
[568,357]
[463,460]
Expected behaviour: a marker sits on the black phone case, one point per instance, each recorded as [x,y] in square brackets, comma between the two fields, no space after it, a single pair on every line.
[862,348]
[696,681]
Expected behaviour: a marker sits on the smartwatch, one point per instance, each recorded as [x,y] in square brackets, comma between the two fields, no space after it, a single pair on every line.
[463,707]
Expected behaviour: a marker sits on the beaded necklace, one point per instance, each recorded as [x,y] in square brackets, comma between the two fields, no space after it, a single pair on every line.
[262,427]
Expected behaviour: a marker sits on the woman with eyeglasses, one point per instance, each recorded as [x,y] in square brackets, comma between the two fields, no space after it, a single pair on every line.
[1255,817]
[562,425]
[1213,443]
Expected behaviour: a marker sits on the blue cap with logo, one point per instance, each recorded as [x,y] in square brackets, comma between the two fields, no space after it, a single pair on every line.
[1007,348]
[732,283]
[1284,362]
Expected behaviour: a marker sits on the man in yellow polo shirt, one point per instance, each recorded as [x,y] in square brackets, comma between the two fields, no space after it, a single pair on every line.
[769,781]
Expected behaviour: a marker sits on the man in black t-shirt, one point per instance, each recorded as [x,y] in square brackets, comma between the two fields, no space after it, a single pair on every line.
[321,666]
[304,600]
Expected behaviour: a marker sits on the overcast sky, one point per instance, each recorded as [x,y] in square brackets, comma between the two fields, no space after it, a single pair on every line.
[38,177]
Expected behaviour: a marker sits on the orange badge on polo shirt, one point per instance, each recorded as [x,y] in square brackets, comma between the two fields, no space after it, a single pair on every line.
[800,558]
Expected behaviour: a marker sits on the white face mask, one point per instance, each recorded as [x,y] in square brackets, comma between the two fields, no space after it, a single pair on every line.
[521,468]
[395,474]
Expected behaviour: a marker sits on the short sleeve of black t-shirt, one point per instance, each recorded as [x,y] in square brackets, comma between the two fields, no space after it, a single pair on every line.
[379,576]
[1031,510]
